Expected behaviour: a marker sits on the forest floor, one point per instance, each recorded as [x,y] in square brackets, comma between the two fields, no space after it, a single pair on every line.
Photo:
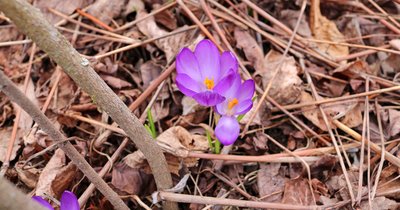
[323,132]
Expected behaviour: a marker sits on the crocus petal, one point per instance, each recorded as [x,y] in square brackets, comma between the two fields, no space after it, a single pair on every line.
[228,85]
[208,98]
[186,63]
[227,130]
[228,61]
[187,85]
[246,90]
[42,202]
[221,108]
[243,107]
[207,55]
[69,201]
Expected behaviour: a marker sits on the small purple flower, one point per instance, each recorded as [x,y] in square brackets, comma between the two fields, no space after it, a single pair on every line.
[68,201]
[238,101]
[201,73]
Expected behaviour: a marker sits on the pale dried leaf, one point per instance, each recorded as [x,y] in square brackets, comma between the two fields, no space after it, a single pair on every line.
[8,34]
[324,29]
[29,176]
[190,105]
[170,45]
[50,172]
[115,82]
[250,47]
[149,71]
[393,127]
[105,10]
[297,191]
[380,203]
[395,43]
[286,86]
[290,18]
[65,7]
[271,182]
[132,180]
[5,134]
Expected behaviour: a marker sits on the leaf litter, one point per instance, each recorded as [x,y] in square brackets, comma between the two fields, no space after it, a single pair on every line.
[346,50]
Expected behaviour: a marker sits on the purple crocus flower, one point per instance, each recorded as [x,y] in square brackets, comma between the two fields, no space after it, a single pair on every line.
[238,101]
[68,201]
[202,72]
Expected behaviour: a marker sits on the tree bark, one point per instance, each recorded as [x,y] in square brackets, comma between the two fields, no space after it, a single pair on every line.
[13,198]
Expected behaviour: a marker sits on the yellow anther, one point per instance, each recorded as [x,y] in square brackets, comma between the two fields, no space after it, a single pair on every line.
[209,83]
[232,103]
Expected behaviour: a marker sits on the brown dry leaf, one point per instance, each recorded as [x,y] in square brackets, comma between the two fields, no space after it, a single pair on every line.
[290,17]
[325,163]
[297,191]
[250,47]
[355,69]
[8,34]
[324,29]
[286,87]
[53,168]
[176,142]
[390,190]
[351,112]
[25,121]
[115,82]
[271,182]
[391,64]
[337,184]
[132,181]
[165,18]
[395,43]
[66,7]
[29,176]
[64,178]
[149,71]
[5,134]
[393,128]
[189,105]
[380,203]
[170,45]
[105,10]
[312,112]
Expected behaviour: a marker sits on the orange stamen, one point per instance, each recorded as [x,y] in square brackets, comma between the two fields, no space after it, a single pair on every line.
[209,83]
[232,103]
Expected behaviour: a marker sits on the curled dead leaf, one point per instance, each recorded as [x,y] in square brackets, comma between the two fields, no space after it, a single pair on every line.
[176,142]
[326,30]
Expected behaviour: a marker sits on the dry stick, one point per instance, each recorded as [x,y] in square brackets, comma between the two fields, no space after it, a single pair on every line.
[385,13]
[388,156]
[12,198]
[299,40]
[32,23]
[13,136]
[182,198]
[277,70]
[91,27]
[139,19]
[94,20]
[281,108]
[198,22]
[88,192]
[18,97]
[369,11]
[343,98]
[364,130]
[269,158]
[331,134]
[359,54]
[378,174]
